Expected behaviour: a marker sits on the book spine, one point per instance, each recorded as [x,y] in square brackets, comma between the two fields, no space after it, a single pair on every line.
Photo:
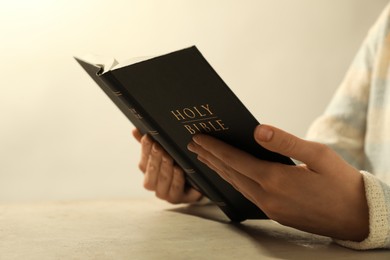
[141,120]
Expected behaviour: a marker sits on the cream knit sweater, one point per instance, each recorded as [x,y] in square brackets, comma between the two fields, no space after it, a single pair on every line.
[357,125]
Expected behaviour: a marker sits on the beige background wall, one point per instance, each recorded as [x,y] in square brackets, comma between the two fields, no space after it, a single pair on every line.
[61,138]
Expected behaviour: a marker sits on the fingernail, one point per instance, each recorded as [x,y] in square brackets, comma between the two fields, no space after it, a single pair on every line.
[155,148]
[264,133]
[147,141]
[196,139]
[191,146]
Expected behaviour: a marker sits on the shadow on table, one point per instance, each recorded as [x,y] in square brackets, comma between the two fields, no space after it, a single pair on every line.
[278,241]
[207,211]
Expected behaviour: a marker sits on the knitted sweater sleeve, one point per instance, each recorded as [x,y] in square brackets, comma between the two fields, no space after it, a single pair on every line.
[343,127]
[378,199]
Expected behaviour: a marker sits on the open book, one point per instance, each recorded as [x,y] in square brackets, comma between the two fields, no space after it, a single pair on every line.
[171,98]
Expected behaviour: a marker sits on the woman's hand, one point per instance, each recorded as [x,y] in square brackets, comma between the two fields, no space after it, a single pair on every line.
[161,175]
[325,195]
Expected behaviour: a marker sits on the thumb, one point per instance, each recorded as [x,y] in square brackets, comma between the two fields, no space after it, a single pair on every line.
[279,141]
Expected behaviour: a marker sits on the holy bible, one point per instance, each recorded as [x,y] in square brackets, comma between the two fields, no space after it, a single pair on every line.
[175,96]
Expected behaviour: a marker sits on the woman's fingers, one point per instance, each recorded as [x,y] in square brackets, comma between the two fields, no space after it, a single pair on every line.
[153,167]
[161,175]
[137,134]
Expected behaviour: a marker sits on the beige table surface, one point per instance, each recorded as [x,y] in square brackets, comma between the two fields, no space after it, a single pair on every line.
[151,229]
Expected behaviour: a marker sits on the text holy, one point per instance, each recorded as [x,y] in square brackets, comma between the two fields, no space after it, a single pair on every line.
[199,119]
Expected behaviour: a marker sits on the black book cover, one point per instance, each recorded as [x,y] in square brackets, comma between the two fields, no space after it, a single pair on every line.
[174,96]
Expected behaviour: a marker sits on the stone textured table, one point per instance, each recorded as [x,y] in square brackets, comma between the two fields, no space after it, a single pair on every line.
[152,229]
